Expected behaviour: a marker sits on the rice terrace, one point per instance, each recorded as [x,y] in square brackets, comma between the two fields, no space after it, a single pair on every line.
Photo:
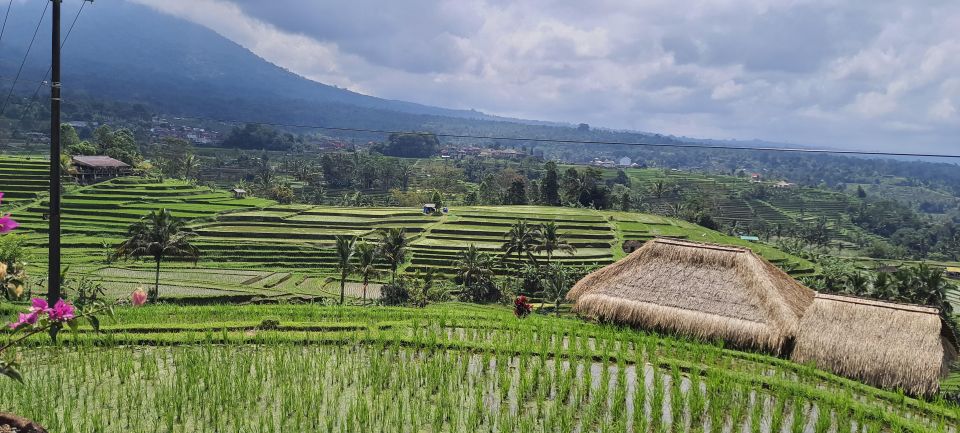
[291,359]
[198,235]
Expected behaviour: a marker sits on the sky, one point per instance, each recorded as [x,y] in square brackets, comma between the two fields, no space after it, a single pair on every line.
[863,74]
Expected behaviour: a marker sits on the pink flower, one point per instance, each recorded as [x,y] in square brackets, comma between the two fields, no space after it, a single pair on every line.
[25,319]
[39,305]
[61,312]
[138,297]
[7,224]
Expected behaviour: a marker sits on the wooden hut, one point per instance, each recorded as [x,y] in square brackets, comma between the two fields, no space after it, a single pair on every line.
[883,344]
[93,169]
[701,290]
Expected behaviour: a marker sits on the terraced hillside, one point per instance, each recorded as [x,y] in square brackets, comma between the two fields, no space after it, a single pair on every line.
[23,179]
[300,237]
[752,206]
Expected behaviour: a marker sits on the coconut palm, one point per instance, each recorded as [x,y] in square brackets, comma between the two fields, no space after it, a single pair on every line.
[158,235]
[474,266]
[475,272]
[521,240]
[393,248]
[551,240]
[345,249]
[366,258]
[884,287]
[191,166]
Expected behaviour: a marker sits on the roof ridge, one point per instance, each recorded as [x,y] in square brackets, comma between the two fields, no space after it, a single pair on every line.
[694,244]
[880,304]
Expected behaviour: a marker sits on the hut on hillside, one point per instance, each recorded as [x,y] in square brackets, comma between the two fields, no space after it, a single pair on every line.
[883,344]
[701,290]
[93,169]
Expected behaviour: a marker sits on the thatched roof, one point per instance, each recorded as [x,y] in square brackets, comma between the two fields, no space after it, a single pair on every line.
[99,162]
[701,290]
[883,344]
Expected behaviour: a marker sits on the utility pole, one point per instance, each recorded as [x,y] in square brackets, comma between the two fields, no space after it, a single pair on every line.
[53,264]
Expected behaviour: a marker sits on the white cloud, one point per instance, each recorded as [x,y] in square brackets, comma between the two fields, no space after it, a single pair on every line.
[808,71]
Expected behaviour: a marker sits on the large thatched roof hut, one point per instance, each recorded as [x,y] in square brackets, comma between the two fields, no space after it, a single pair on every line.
[883,344]
[701,290]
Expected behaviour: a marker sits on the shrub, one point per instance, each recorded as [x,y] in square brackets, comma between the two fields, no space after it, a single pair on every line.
[484,291]
[394,294]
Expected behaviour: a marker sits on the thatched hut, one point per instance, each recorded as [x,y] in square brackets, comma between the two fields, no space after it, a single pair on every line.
[883,344]
[701,290]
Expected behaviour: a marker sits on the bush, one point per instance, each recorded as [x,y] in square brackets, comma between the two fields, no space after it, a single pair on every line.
[394,294]
[481,292]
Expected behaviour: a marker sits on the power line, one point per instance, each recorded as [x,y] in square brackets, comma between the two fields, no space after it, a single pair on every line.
[5,17]
[22,81]
[24,62]
[43,82]
[598,142]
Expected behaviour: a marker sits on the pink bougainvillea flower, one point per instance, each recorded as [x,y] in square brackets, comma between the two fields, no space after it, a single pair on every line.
[7,224]
[25,319]
[61,312]
[138,297]
[38,305]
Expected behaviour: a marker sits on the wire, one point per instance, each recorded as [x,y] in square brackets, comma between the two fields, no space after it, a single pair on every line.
[24,62]
[571,141]
[5,17]
[22,81]
[45,81]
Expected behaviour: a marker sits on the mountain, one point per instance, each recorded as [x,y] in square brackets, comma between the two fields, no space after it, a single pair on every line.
[128,52]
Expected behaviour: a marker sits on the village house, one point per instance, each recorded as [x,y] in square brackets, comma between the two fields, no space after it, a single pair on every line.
[93,169]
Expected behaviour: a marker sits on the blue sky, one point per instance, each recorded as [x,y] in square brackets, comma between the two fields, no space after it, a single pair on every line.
[880,74]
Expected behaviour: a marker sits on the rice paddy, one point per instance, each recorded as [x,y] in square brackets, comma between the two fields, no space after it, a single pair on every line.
[452,367]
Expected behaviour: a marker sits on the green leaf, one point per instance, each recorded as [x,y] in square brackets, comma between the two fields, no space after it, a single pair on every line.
[94,322]
[111,314]
[73,325]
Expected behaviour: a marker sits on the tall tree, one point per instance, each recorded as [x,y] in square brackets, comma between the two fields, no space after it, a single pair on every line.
[475,272]
[345,249]
[366,264]
[393,248]
[550,188]
[158,235]
[552,240]
[521,241]
[517,192]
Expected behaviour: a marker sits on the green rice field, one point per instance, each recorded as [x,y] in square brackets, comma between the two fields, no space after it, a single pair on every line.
[451,367]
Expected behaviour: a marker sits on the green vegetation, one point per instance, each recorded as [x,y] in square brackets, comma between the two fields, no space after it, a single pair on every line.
[464,368]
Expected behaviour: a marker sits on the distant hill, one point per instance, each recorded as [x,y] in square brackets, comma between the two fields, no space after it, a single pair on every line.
[129,52]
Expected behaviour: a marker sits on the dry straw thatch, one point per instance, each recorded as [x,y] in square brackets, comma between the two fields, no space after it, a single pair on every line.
[883,344]
[700,290]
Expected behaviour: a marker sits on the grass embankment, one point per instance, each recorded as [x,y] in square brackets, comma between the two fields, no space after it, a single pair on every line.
[452,367]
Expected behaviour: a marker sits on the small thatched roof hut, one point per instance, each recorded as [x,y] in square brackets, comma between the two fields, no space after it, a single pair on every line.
[701,290]
[883,344]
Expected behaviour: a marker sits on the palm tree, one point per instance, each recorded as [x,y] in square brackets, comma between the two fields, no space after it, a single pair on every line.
[393,248]
[474,266]
[931,288]
[884,287]
[521,240]
[366,258]
[190,166]
[158,235]
[345,249]
[556,284]
[551,240]
[857,284]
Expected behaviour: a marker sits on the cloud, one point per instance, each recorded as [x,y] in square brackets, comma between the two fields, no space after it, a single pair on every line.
[843,74]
